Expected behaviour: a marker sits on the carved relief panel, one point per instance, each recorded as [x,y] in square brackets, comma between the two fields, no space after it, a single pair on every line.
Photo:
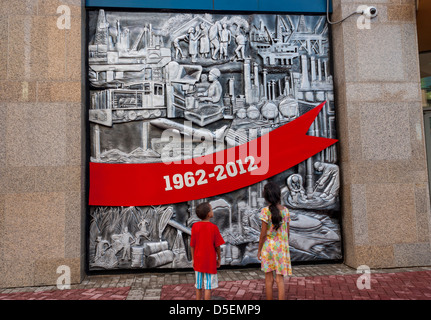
[232,77]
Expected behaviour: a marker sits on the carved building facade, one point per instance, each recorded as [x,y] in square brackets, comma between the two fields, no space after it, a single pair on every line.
[233,75]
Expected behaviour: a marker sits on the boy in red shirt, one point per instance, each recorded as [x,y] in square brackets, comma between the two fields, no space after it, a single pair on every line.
[205,245]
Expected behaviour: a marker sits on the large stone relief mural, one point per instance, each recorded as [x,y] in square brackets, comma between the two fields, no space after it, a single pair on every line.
[236,76]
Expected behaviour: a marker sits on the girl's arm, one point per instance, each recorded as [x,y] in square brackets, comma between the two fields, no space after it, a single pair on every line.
[262,238]
[218,257]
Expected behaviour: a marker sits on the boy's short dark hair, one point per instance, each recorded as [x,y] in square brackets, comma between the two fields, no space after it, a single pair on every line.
[203,209]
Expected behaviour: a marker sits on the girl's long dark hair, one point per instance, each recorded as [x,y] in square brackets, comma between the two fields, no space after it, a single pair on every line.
[272,195]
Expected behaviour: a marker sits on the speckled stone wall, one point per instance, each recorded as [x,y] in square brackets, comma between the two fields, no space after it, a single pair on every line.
[42,143]
[385,197]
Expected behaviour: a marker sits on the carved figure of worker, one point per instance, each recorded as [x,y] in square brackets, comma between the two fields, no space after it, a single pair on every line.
[193,42]
[125,238]
[296,188]
[329,180]
[204,41]
[240,42]
[100,248]
[178,51]
[143,231]
[214,93]
[225,39]
[105,254]
[249,221]
[213,36]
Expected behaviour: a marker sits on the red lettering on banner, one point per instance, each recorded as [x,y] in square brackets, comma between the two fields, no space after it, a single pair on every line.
[210,175]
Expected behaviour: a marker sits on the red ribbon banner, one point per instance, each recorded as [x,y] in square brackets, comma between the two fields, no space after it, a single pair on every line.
[221,172]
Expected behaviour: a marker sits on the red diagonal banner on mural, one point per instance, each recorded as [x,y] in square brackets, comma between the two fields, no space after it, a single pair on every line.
[221,172]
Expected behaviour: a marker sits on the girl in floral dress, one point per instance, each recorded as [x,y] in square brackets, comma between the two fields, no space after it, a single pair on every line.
[274,241]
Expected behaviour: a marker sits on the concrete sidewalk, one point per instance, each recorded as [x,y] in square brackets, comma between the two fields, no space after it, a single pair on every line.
[309,282]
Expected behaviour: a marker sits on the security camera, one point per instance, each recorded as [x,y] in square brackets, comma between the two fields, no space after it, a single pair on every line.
[370,12]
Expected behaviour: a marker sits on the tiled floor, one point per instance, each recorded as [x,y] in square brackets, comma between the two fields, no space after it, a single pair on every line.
[383,286]
[324,281]
[75,294]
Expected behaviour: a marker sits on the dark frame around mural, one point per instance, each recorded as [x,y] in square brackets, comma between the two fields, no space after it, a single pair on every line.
[236,75]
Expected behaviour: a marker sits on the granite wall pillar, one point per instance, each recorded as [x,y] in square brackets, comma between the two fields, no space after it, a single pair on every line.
[385,197]
[42,142]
